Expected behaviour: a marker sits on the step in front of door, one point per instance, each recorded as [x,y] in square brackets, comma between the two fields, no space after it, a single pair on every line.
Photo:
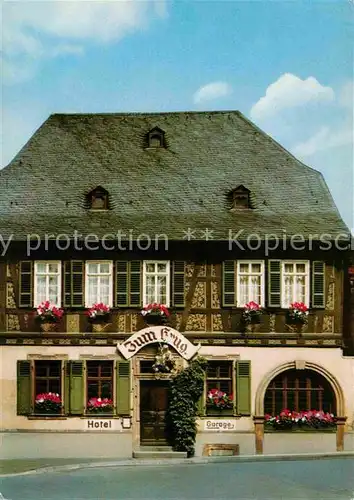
[159,452]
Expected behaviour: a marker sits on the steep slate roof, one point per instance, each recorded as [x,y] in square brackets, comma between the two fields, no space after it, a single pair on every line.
[164,190]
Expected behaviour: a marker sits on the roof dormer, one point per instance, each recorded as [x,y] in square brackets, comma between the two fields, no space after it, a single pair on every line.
[98,199]
[156,138]
[239,198]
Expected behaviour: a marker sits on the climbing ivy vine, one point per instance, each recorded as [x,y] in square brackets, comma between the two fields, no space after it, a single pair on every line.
[186,389]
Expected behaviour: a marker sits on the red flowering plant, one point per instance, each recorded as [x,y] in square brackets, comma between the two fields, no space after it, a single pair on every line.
[48,402]
[100,405]
[252,313]
[298,312]
[48,313]
[155,312]
[311,419]
[98,312]
[219,399]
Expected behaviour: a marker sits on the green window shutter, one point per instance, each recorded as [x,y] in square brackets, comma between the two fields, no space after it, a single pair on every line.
[24,392]
[135,283]
[123,387]
[178,282]
[74,283]
[121,285]
[67,283]
[76,387]
[229,287]
[274,283]
[77,283]
[66,395]
[243,387]
[26,284]
[318,284]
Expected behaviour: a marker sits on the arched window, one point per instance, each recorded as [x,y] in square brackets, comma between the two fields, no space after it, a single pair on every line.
[299,390]
[240,198]
[98,199]
[156,138]
[155,141]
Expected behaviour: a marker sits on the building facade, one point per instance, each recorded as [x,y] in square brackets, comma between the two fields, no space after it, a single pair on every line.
[201,212]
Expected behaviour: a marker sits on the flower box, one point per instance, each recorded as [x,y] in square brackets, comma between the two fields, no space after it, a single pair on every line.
[98,316]
[297,314]
[303,421]
[47,326]
[155,314]
[219,402]
[48,403]
[100,406]
[48,315]
[305,429]
[252,313]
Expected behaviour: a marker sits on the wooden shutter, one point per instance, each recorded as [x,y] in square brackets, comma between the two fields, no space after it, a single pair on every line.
[229,288]
[318,284]
[66,396]
[123,387]
[274,283]
[178,282]
[74,283]
[121,285]
[74,385]
[243,387]
[24,389]
[67,283]
[26,284]
[77,283]
[135,284]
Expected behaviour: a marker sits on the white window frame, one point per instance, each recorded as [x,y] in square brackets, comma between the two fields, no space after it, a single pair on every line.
[238,283]
[35,287]
[284,305]
[110,263]
[168,280]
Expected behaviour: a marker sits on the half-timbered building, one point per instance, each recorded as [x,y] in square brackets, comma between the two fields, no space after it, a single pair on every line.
[201,212]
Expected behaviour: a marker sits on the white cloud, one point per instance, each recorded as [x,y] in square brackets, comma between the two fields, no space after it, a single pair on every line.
[34,30]
[212,91]
[287,92]
[325,138]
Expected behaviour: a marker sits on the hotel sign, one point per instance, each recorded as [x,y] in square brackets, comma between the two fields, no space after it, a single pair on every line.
[155,334]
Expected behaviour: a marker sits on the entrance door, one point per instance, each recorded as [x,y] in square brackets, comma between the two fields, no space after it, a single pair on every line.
[153,407]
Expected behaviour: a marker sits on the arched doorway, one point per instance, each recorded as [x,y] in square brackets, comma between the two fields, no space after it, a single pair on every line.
[299,390]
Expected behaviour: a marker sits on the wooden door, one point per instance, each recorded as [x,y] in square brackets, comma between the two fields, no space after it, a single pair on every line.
[153,407]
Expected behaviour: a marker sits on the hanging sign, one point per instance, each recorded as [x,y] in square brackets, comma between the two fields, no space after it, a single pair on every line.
[162,334]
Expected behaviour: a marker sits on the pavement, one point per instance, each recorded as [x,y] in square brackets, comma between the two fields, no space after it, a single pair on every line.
[45,465]
[307,477]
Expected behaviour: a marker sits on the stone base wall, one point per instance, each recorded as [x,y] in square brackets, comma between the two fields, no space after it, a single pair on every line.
[25,445]
[299,442]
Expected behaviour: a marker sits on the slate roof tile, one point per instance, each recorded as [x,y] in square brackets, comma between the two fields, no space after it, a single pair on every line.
[165,190]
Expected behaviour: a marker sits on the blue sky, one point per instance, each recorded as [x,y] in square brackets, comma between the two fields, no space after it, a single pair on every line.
[288,66]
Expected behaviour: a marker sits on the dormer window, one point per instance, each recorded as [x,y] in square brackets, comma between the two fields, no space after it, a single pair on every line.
[240,198]
[156,138]
[98,199]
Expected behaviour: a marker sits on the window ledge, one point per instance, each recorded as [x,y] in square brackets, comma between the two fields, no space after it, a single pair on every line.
[46,417]
[301,431]
[109,417]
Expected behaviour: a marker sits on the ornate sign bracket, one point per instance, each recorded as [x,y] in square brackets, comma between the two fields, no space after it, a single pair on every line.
[158,334]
